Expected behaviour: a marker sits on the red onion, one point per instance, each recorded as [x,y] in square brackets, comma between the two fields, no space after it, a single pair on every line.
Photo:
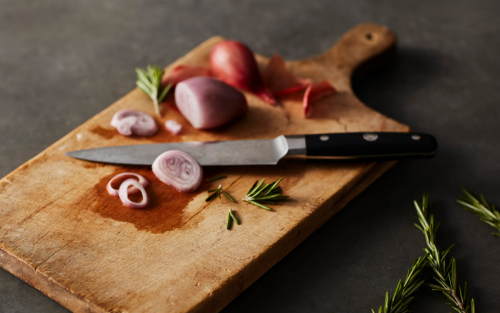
[234,63]
[132,122]
[124,192]
[183,72]
[179,170]
[208,103]
[123,176]
[316,92]
[174,127]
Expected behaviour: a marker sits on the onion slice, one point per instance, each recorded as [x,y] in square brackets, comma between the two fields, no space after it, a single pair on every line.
[316,92]
[183,72]
[179,170]
[124,176]
[133,122]
[280,80]
[174,127]
[124,192]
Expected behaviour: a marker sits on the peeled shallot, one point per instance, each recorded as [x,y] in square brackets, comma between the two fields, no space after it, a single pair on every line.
[208,102]
[173,127]
[123,176]
[179,170]
[234,63]
[133,122]
[124,192]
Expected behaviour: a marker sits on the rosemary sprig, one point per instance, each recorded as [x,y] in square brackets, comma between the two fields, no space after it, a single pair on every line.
[259,194]
[402,295]
[216,178]
[486,212]
[217,192]
[149,81]
[445,274]
[230,219]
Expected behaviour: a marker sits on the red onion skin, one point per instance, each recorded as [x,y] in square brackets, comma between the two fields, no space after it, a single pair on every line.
[234,63]
[124,192]
[124,176]
[179,170]
[316,92]
[183,72]
[208,102]
[133,122]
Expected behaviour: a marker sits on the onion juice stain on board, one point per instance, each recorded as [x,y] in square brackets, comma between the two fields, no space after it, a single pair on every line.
[163,213]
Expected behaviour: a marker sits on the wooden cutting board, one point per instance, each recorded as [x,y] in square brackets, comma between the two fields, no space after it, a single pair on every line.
[63,234]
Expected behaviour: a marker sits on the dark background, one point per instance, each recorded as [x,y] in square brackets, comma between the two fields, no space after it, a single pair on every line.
[61,62]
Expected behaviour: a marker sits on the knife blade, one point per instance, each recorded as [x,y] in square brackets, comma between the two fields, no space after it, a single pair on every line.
[363,145]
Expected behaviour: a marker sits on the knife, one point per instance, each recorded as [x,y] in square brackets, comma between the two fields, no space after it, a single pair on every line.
[377,146]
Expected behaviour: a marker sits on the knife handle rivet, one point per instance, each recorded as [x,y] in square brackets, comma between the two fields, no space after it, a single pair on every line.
[370,137]
[324,138]
[415,137]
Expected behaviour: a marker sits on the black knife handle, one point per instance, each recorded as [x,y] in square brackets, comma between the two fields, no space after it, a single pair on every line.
[376,145]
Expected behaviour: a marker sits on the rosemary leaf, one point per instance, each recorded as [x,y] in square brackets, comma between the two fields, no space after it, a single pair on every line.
[228,196]
[216,178]
[149,81]
[260,205]
[229,220]
[233,217]
[445,275]
[402,294]
[211,197]
[486,212]
[212,190]
[251,188]
[260,194]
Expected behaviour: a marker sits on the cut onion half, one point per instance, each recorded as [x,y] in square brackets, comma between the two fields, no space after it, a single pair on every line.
[179,170]
[120,178]
[124,192]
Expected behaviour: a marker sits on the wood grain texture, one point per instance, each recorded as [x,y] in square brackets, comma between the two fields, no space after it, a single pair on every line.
[62,233]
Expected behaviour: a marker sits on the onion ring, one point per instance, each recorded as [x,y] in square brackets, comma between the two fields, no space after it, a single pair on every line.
[122,177]
[133,122]
[124,192]
[179,170]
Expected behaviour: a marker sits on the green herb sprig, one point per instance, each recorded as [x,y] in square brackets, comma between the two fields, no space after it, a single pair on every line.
[445,272]
[217,192]
[486,212]
[230,219]
[149,81]
[260,194]
[216,178]
[402,295]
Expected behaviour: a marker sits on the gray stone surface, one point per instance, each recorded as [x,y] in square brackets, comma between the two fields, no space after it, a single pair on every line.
[61,62]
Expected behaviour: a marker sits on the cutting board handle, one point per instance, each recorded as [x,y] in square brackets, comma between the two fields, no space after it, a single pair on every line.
[360,44]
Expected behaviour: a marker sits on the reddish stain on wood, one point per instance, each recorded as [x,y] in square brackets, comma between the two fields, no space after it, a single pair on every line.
[103,132]
[165,211]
